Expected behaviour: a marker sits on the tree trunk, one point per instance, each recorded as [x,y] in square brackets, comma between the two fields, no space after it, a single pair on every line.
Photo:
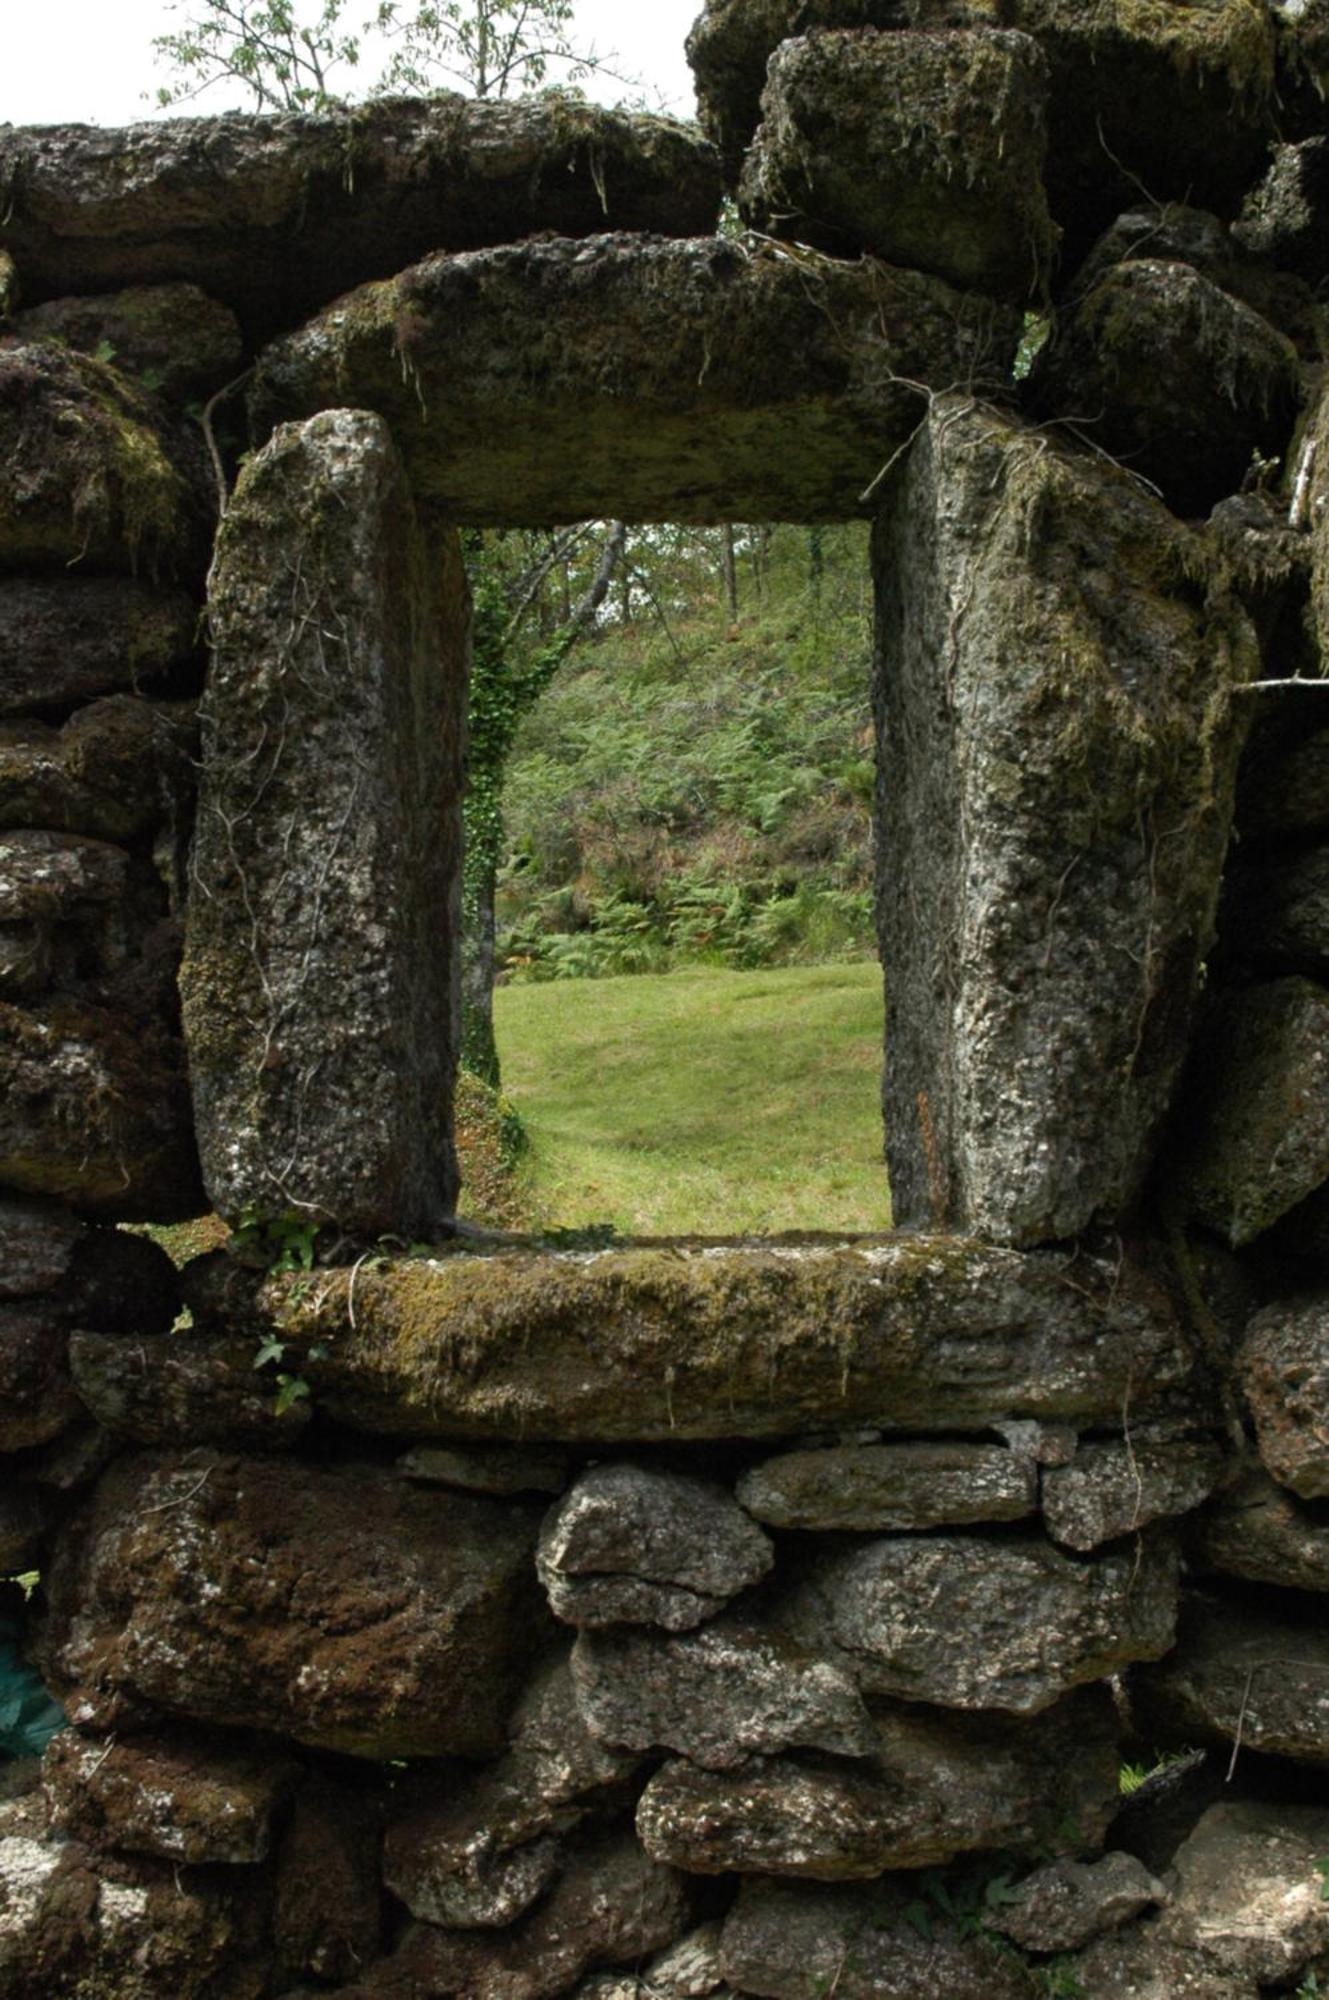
[729,565]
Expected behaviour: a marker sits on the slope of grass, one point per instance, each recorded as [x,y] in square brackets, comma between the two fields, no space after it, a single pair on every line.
[701,1101]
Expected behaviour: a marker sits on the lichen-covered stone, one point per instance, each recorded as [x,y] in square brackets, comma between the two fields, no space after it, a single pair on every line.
[968,1622]
[721,1341]
[1283,1368]
[923,149]
[873,1487]
[319,980]
[68,639]
[630,1544]
[37,1244]
[721,1694]
[343,1607]
[171,340]
[1249,1889]
[1256,1530]
[935,1786]
[184,1390]
[327,1916]
[1139,1963]
[72,911]
[1057,750]
[1060,1907]
[688,381]
[1184,381]
[481,1890]
[1112,1489]
[92,476]
[797,1940]
[1255,1134]
[503,1470]
[186,1799]
[1286,217]
[116,770]
[278,215]
[1260,1674]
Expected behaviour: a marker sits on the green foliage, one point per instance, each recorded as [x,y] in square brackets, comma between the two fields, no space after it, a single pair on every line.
[282,1242]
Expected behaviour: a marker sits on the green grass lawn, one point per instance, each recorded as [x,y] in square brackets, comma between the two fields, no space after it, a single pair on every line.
[701,1101]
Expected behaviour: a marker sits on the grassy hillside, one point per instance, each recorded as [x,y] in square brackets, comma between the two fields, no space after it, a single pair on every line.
[702,1101]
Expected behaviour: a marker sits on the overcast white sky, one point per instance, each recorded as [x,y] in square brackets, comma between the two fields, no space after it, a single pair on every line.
[92,60]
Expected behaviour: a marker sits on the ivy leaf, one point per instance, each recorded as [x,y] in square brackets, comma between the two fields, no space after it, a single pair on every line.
[271,1350]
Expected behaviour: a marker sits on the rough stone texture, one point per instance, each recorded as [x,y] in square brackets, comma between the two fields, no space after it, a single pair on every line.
[1062,1906]
[719,1695]
[1115,1489]
[611,1906]
[797,1941]
[184,1390]
[1139,1963]
[278,215]
[726,1341]
[1280,914]
[69,911]
[891,1486]
[37,1244]
[1056,758]
[1258,1531]
[675,381]
[1284,1371]
[643,1547]
[342,1607]
[923,149]
[37,1397]
[319,983]
[185,1799]
[1286,218]
[115,770]
[92,476]
[1259,1672]
[76,1923]
[68,639]
[501,1470]
[1168,1805]
[1183,382]
[327,1913]
[935,1786]
[1248,1888]
[172,340]
[480,1891]
[970,1622]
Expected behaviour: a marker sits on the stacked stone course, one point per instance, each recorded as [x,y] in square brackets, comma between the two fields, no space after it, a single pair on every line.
[688,1619]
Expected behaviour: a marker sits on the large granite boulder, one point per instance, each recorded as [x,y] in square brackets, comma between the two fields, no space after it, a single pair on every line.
[66,639]
[1057,750]
[275,216]
[319,980]
[343,1608]
[923,149]
[671,381]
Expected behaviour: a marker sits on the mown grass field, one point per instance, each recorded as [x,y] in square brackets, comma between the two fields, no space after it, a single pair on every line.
[701,1101]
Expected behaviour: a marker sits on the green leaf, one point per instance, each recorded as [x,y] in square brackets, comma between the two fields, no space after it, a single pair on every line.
[291,1389]
[271,1350]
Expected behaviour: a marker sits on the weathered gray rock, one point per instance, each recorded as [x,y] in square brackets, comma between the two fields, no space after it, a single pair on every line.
[171,340]
[726,1692]
[935,1786]
[1286,217]
[1062,1906]
[92,475]
[891,1486]
[37,1396]
[1075,785]
[1249,1891]
[1235,1670]
[185,1390]
[37,1244]
[924,149]
[278,215]
[1256,1530]
[1184,381]
[794,1941]
[741,1340]
[611,1906]
[689,381]
[969,1622]
[116,770]
[70,638]
[342,1608]
[186,1799]
[638,1546]
[690,1969]
[1257,1126]
[319,983]
[1280,914]
[327,1916]
[75,1922]
[1284,1371]
[1140,1963]
[1115,1489]
[503,1470]
[480,1891]
[72,911]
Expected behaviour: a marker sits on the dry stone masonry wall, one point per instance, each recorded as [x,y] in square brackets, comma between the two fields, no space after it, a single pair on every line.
[683,1619]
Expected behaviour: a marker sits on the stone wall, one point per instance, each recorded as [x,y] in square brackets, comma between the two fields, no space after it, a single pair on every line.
[703,1618]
